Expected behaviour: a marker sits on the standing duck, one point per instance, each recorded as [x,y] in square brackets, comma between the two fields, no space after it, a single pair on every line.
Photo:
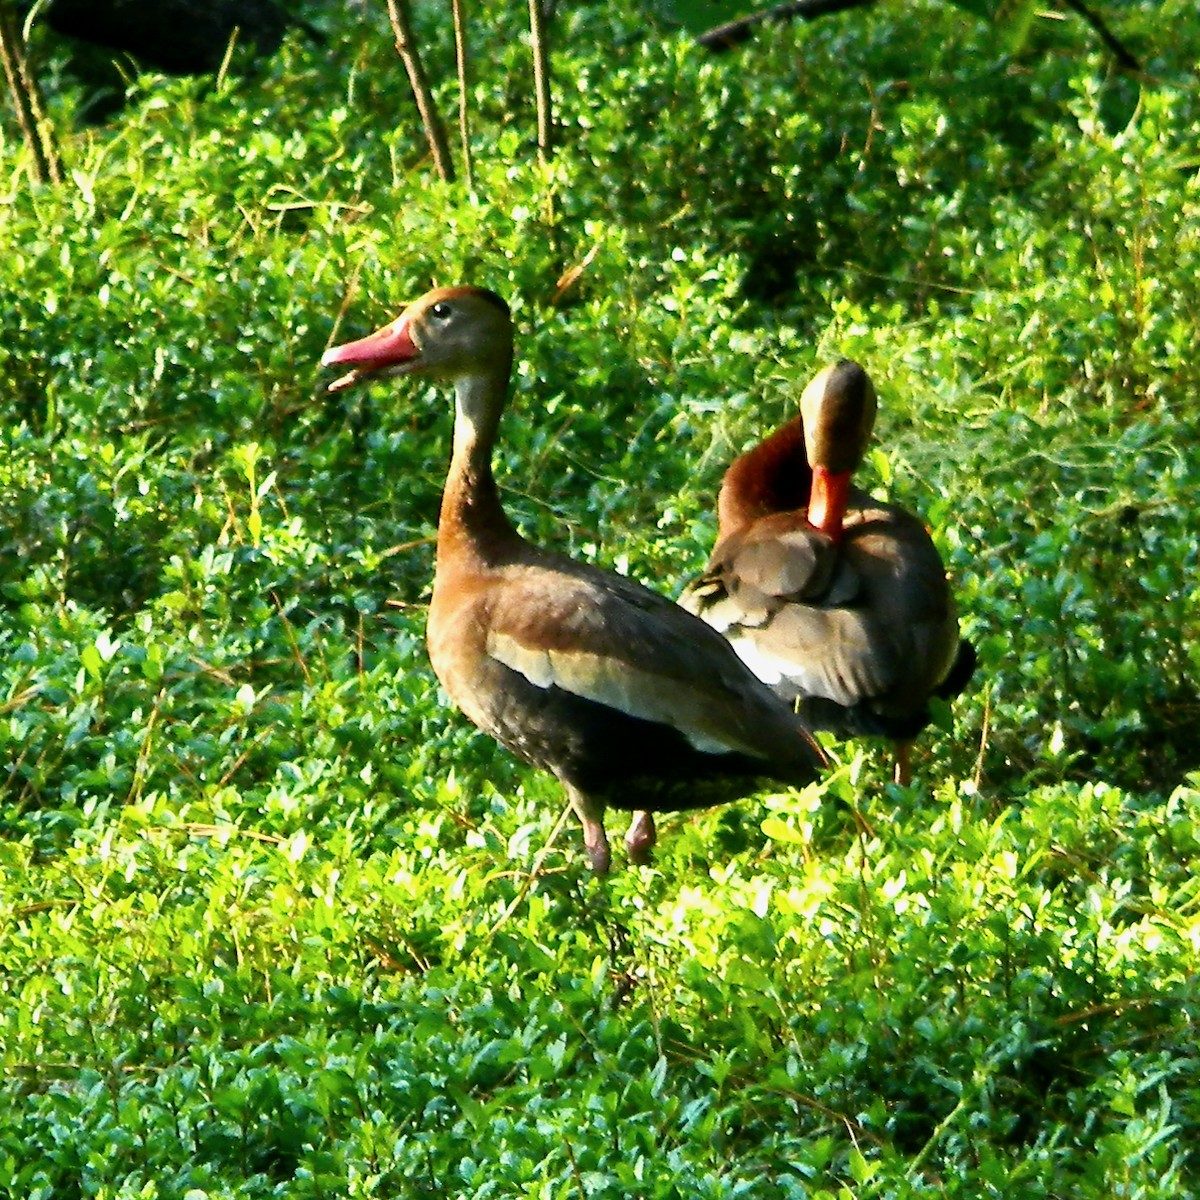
[836,600]
[622,695]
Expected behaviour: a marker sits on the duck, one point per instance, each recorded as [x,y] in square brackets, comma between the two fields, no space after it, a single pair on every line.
[628,700]
[836,600]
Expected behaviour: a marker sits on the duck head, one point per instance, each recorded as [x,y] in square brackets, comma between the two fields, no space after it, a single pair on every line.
[838,410]
[447,334]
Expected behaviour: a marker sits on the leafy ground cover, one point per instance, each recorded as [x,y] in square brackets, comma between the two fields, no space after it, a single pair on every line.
[269,925]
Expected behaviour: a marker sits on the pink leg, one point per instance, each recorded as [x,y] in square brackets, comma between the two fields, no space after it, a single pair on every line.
[640,838]
[595,840]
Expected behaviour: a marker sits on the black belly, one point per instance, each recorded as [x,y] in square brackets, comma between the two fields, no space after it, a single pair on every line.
[628,762]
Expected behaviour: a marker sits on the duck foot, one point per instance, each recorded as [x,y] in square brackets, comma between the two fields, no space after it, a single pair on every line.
[640,838]
[595,840]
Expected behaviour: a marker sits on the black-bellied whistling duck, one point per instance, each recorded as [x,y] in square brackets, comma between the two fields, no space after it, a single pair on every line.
[627,699]
[836,600]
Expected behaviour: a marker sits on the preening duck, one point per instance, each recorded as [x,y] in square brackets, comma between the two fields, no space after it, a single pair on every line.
[627,699]
[839,602]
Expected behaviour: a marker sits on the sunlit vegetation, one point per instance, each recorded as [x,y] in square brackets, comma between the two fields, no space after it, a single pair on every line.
[267,925]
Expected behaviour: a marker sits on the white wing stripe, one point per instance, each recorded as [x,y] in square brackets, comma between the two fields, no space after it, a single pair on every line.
[614,684]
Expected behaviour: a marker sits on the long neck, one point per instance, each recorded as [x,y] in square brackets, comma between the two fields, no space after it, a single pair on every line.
[827,505]
[773,477]
[473,530]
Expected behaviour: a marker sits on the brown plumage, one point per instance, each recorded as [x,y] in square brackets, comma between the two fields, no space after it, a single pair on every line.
[837,601]
[628,700]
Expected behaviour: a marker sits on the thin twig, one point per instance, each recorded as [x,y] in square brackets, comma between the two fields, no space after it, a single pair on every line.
[575,1175]
[931,1144]
[541,80]
[20,699]
[291,637]
[1106,35]
[216,672]
[406,47]
[236,766]
[389,961]
[570,277]
[983,738]
[143,759]
[725,37]
[226,61]
[1114,1007]
[533,874]
[40,906]
[852,1126]
[404,547]
[201,829]
[464,124]
[27,102]
[347,299]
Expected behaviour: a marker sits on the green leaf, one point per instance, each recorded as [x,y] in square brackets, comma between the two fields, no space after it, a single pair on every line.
[92,661]
[780,831]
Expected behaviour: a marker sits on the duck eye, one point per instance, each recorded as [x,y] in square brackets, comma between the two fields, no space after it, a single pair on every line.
[440,310]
